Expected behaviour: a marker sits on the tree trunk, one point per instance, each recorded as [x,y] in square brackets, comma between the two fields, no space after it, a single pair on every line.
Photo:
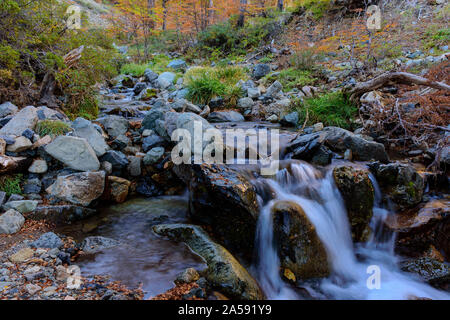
[280,5]
[241,20]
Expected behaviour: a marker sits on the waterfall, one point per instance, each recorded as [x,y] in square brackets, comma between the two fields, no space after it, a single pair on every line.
[351,265]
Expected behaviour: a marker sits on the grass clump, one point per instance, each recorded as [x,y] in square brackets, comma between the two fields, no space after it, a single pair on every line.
[332,109]
[205,83]
[291,78]
[134,69]
[317,8]
[11,184]
[52,127]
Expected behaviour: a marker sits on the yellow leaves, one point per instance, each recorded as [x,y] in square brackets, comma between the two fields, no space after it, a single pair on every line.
[288,274]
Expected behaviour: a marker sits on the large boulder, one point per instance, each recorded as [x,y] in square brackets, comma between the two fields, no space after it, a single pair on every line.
[417,230]
[25,119]
[85,129]
[358,192]
[224,200]
[114,125]
[224,272]
[79,188]
[299,247]
[338,140]
[260,70]
[11,222]
[75,153]
[400,182]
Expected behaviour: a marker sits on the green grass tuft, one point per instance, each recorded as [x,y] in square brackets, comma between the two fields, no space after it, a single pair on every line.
[52,127]
[11,184]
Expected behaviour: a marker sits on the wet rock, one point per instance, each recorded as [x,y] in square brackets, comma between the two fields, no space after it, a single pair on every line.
[62,215]
[400,182]
[25,119]
[290,120]
[224,272]
[98,244]
[187,276]
[225,116]
[139,87]
[79,188]
[299,246]
[152,141]
[75,153]
[430,270]
[114,125]
[358,192]
[85,129]
[225,200]
[11,222]
[418,229]
[338,140]
[20,144]
[47,240]
[260,70]
[8,109]
[38,166]
[23,206]
[119,188]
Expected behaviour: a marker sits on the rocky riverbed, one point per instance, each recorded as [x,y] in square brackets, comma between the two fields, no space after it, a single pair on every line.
[105,195]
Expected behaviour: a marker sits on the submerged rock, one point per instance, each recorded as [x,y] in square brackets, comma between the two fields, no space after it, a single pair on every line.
[401,183]
[225,200]
[299,246]
[224,272]
[98,244]
[358,192]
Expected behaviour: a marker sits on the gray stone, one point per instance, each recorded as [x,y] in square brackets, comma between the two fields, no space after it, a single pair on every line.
[2,197]
[245,103]
[223,271]
[274,90]
[8,109]
[152,116]
[182,105]
[150,76]
[79,188]
[25,119]
[38,166]
[21,144]
[75,153]
[139,87]
[177,64]
[11,222]
[166,79]
[96,244]
[116,158]
[23,206]
[290,120]
[260,70]
[152,141]
[187,276]
[153,156]
[225,116]
[85,129]
[253,93]
[114,125]
[134,166]
[47,240]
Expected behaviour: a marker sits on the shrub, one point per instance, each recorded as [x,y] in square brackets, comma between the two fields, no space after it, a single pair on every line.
[11,184]
[205,83]
[304,60]
[52,127]
[332,109]
[316,8]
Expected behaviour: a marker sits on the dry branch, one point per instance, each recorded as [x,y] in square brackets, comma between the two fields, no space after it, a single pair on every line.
[398,77]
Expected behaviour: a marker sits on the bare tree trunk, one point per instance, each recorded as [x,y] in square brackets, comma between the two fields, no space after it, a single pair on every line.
[164,6]
[280,5]
[241,20]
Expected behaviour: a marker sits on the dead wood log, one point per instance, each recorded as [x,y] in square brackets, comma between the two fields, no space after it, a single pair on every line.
[397,77]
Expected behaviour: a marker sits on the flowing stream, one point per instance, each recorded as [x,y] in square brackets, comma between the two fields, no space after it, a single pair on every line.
[351,265]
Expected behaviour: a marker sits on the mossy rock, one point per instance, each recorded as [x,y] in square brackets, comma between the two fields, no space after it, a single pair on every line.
[358,193]
[300,249]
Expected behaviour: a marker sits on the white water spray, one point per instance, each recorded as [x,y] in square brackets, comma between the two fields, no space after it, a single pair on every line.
[351,267]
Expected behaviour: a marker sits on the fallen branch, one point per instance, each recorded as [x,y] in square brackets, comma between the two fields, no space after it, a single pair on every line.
[399,77]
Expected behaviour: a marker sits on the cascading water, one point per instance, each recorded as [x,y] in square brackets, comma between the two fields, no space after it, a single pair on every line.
[351,265]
